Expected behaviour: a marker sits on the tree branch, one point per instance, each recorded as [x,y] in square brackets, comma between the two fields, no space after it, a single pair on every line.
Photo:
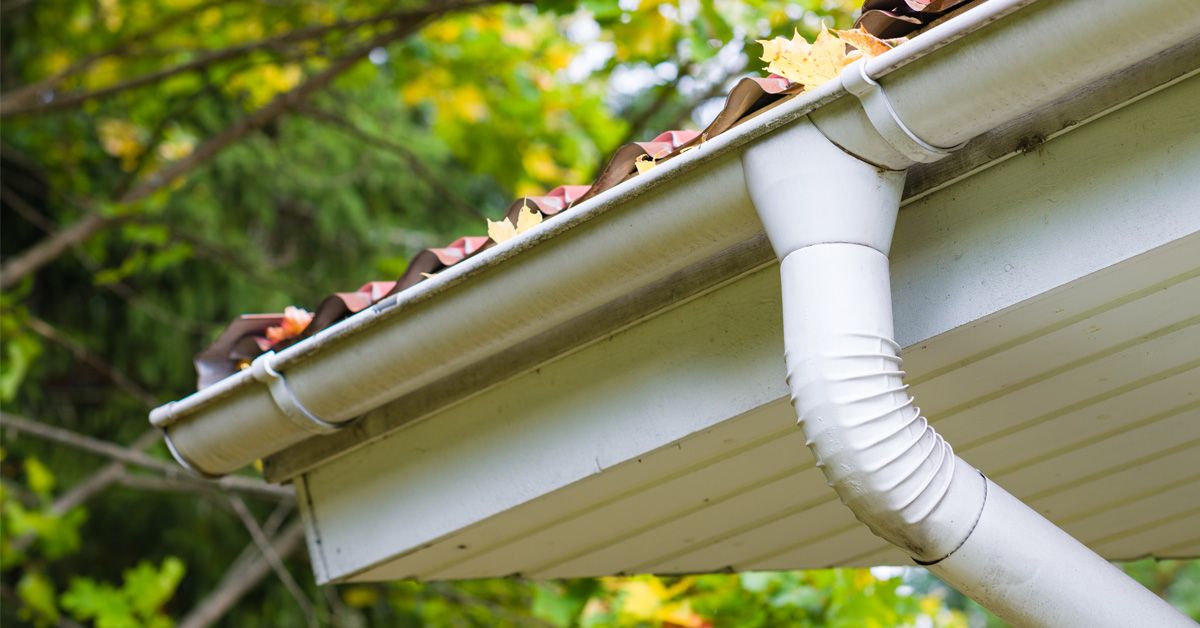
[137,458]
[40,98]
[263,116]
[52,247]
[241,579]
[414,162]
[27,96]
[268,552]
[81,353]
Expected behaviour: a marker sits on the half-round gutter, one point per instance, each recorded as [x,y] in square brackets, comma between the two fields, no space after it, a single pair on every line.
[828,191]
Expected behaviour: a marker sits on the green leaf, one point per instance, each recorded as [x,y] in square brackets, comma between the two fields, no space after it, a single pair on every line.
[561,604]
[39,478]
[37,592]
[148,589]
[20,351]
[85,599]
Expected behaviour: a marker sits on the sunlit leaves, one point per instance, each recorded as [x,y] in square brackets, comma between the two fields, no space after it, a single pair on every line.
[122,139]
[261,84]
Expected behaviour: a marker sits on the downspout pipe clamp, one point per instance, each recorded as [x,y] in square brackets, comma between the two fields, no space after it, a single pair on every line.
[285,399]
[884,118]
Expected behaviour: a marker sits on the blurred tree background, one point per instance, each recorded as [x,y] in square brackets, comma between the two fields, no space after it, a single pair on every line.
[170,164]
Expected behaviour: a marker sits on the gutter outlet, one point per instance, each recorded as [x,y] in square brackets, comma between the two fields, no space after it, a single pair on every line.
[830,217]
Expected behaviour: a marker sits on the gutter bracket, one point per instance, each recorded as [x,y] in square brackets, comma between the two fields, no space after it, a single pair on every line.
[884,118]
[285,399]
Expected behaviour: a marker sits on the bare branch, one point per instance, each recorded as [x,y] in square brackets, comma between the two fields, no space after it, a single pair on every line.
[263,116]
[41,98]
[89,487]
[27,96]
[81,353]
[130,456]
[268,552]
[415,163]
[26,210]
[241,579]
[54,245]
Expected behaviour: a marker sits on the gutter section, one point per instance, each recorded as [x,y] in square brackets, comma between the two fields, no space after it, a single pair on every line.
[634,237]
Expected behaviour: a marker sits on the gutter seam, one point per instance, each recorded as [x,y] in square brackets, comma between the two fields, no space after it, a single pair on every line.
[978,518]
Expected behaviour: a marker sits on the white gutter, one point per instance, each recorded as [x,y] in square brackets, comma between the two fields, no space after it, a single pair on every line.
[826,183]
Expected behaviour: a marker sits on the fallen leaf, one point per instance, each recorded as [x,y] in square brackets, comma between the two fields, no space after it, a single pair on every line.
[645,164]
[504,230]
[811,65]
[295,321]
[869,44]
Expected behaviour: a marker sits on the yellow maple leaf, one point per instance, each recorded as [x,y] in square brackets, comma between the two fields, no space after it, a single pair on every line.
[813,64]
[504,230]
[810,65]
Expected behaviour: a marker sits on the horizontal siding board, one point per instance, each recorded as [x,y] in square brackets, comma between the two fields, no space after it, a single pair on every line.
[1122,325]
[1153,540]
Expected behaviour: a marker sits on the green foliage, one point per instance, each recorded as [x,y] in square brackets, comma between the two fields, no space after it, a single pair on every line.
[52,535]
[138,602]
[562,603]
[21,347]
[36,592]
[1177,581]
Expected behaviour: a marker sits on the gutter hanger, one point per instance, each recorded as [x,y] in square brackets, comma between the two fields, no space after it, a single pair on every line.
[877,451]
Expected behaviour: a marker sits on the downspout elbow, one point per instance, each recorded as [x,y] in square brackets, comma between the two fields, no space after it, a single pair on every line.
[831,224]
[829,217]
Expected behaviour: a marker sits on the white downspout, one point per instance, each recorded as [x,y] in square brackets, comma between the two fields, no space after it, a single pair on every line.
[830,217]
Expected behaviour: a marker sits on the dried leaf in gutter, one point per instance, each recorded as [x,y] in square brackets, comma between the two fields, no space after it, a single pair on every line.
[295,321]
[505,230]
[870,45]
[645,164]
[811,65]
[808,64]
